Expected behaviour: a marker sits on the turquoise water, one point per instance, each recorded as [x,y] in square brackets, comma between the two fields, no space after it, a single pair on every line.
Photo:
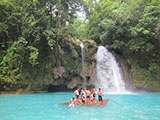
[46,107]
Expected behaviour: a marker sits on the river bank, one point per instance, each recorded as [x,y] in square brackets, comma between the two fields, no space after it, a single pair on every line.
[21,92]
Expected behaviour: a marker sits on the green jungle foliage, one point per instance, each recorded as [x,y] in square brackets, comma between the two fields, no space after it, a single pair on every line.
[32,31]
[132,29]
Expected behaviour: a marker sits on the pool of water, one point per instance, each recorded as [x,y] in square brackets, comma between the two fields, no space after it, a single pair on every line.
[45,106]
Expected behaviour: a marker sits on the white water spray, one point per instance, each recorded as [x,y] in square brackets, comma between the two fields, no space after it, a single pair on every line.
[83,66]
[109,77]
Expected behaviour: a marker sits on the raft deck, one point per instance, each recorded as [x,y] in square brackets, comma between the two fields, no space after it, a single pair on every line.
[94,103]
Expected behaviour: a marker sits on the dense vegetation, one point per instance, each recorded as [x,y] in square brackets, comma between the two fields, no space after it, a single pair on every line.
[32,33]
[132,29]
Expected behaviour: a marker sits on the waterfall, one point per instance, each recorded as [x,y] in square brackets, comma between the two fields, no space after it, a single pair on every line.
[83,66]
[109,77]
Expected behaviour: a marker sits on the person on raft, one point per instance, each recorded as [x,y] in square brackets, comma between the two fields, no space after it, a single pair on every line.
[72,102]
[100,96]
[88,93]
[85,97]
[93,94]
[76,92]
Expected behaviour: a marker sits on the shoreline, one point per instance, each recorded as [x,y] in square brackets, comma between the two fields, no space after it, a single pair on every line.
[34,92]
[20,93]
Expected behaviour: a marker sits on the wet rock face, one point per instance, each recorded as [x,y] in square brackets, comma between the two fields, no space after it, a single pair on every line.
[126,72]
[142,82]
[59,88]
[58,71]
[66,73]
[75,82]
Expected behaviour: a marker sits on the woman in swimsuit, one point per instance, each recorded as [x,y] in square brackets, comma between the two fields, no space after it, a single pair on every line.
[83,96]
[76,92]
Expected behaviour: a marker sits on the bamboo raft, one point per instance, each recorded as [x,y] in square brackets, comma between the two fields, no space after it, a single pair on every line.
[94,103]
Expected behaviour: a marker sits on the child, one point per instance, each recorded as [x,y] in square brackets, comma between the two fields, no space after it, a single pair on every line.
[72,102]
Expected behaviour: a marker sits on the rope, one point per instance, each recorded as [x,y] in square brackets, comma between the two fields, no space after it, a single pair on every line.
[138,112]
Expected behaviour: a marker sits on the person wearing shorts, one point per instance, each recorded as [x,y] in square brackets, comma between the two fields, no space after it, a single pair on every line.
[100,95]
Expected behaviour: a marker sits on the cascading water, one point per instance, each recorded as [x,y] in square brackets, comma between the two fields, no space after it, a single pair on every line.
[109,77]
[83,66]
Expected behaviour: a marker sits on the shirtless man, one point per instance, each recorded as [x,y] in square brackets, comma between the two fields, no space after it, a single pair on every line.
[100,96]
[88,93]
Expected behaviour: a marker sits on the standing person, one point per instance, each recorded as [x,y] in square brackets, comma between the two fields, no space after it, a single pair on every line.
[88,93]
[93,94]
[100,96]
[83,96]
[76,92]
[80,90]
